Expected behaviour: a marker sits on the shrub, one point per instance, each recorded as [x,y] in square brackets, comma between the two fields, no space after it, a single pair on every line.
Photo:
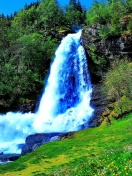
[118,86]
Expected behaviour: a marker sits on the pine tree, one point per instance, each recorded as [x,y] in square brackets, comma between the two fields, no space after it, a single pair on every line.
[79,7]
[109,1]
[95,2]
[73,2]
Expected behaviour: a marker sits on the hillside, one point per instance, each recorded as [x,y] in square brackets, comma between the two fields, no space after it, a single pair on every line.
[105,150]
[27,47]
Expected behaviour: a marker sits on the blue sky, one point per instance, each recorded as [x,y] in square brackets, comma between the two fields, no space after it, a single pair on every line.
[9,6]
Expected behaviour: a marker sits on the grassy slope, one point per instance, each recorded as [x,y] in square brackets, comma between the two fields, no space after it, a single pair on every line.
[105,150]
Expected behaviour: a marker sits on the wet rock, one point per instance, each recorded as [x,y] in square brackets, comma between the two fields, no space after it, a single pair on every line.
[100,52]
[99,103]
[8,157]
[36,140]
[28,106]
[55,138]
[67,135]
[13,157]
[110,48]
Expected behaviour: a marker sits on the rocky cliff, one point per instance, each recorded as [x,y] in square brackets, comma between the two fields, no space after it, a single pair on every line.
[36,140]
[100,52]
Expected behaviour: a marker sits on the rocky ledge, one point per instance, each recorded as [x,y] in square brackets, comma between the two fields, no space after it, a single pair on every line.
[32,143]
[5,158]
[100,52]
[36,140]
[111,47]
[99,103]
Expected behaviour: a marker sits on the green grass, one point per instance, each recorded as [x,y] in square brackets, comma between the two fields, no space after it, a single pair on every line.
[105,150]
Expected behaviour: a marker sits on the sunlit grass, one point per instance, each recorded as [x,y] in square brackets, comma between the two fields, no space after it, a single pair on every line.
[105,150]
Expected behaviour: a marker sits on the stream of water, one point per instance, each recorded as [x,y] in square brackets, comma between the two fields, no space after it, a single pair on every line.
[65,103]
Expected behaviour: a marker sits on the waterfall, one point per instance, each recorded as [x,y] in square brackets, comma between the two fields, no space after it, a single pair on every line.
[65,103]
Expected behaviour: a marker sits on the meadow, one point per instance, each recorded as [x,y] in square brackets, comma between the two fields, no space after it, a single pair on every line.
[104,150]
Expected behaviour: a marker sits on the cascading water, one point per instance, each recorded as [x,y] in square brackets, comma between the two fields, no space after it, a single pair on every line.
[65,104]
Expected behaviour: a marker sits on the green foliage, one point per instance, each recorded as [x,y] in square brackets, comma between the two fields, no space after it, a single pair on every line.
[106,32]
[105,150]
[50,14]
[92,48]
[111,163]
[27,67]
[107,16]
[97,14]
[27,46]
[75,14]
[98,61]
[130,25]
[95,57]
[118,86]
[122,84]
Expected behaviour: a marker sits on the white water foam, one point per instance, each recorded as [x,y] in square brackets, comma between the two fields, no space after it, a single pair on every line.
[65,103]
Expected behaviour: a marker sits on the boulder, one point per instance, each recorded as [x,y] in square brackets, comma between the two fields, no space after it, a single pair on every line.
[36,140]
[8,157]
[13,157]
[99,103]
[55,138]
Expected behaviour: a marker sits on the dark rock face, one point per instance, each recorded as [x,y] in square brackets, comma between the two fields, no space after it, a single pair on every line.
[108,49]
[8,157]
[27,107]
[99,103]
[13,157]
[36,140]
[66,135]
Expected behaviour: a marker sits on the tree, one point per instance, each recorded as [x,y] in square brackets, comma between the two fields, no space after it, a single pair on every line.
[95,2]
[74,13]
[73,2]
[79,7]
[110,1]
[50,14]
[27,66]
[28,42]
[25,53]
[118,85]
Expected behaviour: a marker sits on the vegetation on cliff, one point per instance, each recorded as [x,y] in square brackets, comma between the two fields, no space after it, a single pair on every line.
[114,17]
[118,89]
[108,41]
[108,34]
